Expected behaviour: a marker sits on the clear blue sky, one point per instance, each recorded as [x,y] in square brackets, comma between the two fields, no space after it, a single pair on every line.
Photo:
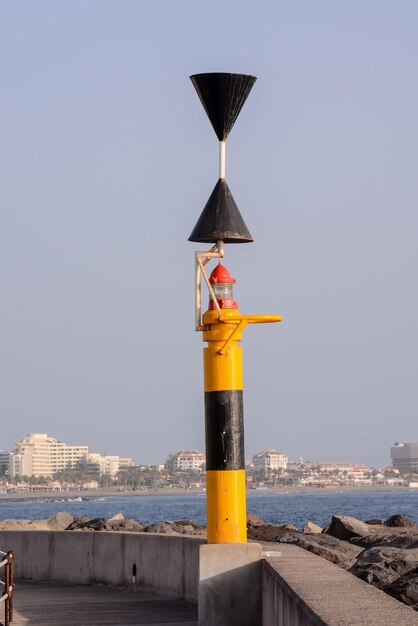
[106,161]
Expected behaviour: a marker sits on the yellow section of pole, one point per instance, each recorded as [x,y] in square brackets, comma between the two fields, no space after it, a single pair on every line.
[225,475]
[222,371]
[226,506]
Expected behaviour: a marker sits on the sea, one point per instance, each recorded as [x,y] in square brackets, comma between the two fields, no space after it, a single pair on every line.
[271,507]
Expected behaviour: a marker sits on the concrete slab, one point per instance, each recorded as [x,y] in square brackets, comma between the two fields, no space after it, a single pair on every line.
[230,585]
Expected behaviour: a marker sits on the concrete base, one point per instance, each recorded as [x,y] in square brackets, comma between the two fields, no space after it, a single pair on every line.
[230,584]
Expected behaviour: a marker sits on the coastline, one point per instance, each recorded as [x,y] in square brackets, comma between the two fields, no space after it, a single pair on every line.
[93,494]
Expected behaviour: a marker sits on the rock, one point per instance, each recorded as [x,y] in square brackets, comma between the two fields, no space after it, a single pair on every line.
[311,528]
[270,532]
[39,524]
[334,550]
[13,524]
[253,520]
[98,523]
[128,525]
[391,539]
[118,516]
[24,524]
[400,521]
[165,528]
[345,527]
[188,522]
[374,522]
[77,521]
[381,566]
[289,527]
[405,589]
[60,521]
[187,529]
[113,524]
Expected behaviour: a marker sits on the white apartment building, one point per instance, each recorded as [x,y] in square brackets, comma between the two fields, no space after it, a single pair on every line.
[187,459]
[270,460]
[108,464]
[41,455]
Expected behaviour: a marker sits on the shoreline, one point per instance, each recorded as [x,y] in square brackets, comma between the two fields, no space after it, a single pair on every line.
[95,494]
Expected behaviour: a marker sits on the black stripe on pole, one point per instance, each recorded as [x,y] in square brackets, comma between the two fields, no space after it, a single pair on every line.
[224,420]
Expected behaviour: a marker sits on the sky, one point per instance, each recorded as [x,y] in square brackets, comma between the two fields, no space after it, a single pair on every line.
[107,159]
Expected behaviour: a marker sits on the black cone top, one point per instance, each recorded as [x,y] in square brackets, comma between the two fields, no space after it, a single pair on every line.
[223,96]
[221,219]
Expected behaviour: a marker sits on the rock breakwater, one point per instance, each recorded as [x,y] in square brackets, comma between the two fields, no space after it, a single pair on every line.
[383,553]
[65,521]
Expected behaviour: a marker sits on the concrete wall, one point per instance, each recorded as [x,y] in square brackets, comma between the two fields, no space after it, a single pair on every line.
[166,563]
[301,589]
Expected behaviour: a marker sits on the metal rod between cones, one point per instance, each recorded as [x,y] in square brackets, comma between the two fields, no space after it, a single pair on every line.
[222,146]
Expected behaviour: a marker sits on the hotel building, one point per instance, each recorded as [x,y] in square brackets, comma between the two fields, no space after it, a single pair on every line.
[41,455]
[270,460]
[405,457]
[186,460]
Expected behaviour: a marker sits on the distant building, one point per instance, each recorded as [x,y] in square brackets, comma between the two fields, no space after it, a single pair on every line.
[186,460]
[41,455]
[355,471]
[270,460]
[405,457]
[4,463]
[104,464]
[91,484]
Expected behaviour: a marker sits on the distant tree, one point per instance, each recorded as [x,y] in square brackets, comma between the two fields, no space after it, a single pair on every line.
[105,480]
[169,465]
[259,475]
[37,480]
[82,472]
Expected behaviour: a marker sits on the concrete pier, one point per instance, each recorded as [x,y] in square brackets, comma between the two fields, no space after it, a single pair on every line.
[234,584]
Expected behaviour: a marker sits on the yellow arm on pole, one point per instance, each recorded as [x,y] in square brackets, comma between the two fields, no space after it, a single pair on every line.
[252,319]
[242,321]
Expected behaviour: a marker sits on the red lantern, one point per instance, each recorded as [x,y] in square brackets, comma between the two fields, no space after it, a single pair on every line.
[222,281]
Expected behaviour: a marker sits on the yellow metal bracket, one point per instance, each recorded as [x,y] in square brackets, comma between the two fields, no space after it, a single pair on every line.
[201,259]
[241,322]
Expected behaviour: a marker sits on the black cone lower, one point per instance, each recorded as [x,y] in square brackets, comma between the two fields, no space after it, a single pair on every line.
[224,424]
[221,219]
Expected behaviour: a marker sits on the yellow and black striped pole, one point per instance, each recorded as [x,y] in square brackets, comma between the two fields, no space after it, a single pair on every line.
[224,412]
[224,425]
[220,222]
